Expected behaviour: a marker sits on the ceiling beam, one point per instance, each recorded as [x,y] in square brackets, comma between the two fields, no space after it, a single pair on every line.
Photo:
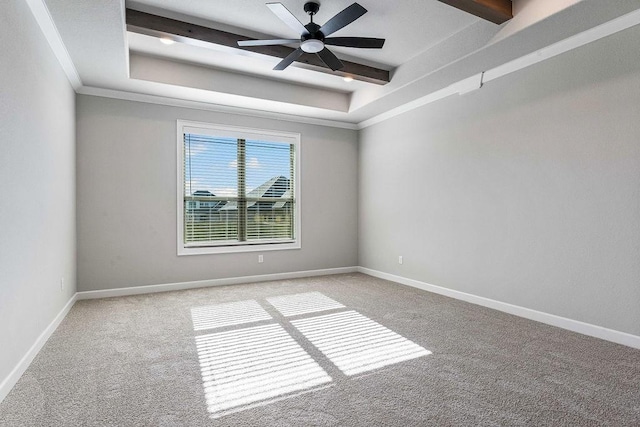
[496,11]
[159,26]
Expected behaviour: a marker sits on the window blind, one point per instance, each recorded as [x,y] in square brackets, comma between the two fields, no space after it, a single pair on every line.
[237,191]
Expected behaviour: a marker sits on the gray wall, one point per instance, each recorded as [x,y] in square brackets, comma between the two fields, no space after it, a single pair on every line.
[526,191]
[37,175]
[126,161]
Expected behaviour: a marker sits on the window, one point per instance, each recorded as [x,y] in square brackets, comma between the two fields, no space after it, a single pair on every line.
[238,189]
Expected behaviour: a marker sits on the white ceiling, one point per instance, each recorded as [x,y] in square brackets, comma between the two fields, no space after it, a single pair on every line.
[409,26]
[429,46]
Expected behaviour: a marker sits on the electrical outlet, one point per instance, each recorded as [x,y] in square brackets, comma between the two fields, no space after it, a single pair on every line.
[400,259]
[260,259]
[61,284]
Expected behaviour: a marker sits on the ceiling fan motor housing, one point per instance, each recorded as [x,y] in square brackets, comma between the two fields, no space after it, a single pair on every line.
[313,41]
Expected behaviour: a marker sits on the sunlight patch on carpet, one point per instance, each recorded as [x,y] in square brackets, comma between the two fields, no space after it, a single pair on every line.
[244,367]
[233,313]
[309,302]
[355,343]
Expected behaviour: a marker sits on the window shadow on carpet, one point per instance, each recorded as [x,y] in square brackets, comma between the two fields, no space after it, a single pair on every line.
[248,366]
[357,344]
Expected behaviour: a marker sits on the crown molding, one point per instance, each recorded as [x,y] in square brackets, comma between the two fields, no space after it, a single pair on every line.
[197,105]
[43,17]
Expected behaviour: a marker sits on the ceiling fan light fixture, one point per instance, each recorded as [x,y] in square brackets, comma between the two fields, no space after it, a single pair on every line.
[312,46]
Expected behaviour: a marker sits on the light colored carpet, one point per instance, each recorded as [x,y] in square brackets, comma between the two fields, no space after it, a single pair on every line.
[347,350]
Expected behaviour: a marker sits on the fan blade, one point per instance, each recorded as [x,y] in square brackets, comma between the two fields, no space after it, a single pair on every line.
[361,42]
[342,19]
[267,42]
[289,59]
[330,59]
[287,17]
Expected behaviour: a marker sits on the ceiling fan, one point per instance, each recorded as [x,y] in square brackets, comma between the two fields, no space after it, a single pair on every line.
[313,37]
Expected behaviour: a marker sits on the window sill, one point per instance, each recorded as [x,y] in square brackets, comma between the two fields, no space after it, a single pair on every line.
[208,250]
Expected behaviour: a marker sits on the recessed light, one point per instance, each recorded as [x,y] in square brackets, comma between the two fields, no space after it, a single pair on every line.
[167,41]
[347,78]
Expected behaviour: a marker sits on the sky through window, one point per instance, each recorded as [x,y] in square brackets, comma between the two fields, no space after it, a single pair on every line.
[211,164]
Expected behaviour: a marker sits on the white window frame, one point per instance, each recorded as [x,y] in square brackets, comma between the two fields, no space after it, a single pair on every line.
[186,126]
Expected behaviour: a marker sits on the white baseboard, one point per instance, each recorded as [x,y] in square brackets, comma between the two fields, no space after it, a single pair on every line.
[138,290]
[7,384]
[539,316]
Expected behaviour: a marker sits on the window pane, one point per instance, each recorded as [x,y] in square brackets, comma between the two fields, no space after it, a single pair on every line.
[269,168]
[210,188]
